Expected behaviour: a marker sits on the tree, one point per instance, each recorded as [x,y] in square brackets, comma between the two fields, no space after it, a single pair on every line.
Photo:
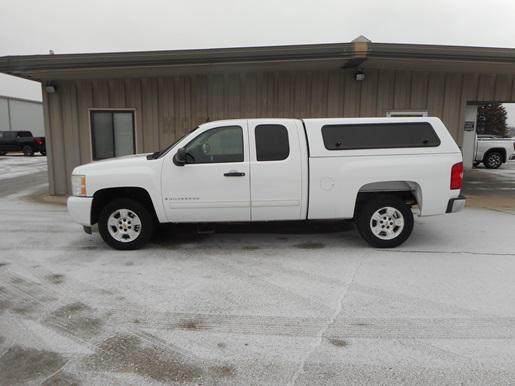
[491,119]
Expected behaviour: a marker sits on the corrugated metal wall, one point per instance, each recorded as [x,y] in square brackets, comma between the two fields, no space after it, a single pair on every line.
[166,108]
[19,114]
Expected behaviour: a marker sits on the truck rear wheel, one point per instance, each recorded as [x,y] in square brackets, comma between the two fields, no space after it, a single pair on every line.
[385,222]
[493,160]
[27,151]
[125,224]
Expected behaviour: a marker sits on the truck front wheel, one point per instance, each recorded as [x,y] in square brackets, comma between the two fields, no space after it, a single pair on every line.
[385,222]
[125,224]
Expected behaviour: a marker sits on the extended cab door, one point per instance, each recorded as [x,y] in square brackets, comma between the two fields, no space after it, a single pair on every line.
[214,185]
[278,169]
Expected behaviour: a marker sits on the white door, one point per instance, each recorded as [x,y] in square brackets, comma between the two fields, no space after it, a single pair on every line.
[276,169]
[214,183]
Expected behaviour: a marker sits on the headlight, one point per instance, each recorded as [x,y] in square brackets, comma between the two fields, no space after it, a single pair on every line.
[79,185]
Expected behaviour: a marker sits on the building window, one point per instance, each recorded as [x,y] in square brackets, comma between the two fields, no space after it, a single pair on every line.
[404,114]
[379,136]
[219,145]
[112,133]
[271,143]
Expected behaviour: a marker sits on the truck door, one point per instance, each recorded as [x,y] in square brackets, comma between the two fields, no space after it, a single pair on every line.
[8,141]
[278,169]
[214,184]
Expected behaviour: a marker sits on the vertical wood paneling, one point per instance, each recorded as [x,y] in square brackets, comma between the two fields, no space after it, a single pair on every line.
[402,90]
[503,84]
[435,94]
[232,102]
[70,130]
[133,100]
[385,92]
[452,102]
[100,93]
[198,100]
[335,93]
[49,144]
[165,110]
[302,89]
[178,105]
[418,99]
[116,93]
[271,99]
[84,103]
[215,102]
[368,101]
[318,102]
[284,95]
[486,87]
[352,94]
[468,94]
[249,95]
[150,114]
[58,143]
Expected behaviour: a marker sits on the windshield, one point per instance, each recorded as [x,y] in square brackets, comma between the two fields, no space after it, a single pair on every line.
[159,154]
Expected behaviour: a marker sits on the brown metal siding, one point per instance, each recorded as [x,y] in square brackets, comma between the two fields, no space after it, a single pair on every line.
[166,108]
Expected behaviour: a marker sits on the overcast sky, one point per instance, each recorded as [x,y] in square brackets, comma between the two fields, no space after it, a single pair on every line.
[66,26]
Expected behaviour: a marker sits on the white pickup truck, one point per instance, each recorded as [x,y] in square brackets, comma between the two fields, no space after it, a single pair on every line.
[378,171]
[493,151]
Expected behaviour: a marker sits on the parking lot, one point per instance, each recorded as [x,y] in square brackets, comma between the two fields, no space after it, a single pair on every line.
[279,304]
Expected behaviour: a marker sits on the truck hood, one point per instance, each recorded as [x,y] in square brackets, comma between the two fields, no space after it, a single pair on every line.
[107,164]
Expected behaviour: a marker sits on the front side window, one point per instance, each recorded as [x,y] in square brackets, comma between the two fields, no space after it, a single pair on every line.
[271,143]
[112,133]
[379,136]
[219,145]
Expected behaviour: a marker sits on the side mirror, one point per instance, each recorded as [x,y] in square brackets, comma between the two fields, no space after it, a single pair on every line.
[180,157]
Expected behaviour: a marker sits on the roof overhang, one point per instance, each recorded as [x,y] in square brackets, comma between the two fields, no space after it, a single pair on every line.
[358,53]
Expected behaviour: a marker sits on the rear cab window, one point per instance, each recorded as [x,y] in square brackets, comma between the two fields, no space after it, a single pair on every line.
[272,143]
[379,136]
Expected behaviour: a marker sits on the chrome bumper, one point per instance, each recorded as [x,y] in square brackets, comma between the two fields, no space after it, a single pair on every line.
[456,204]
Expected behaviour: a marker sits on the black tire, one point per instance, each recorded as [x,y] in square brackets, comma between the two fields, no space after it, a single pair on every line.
[493,160]
[145,217]
[27,151]
[365,223]
[43,153]
[3,152]
[476,163]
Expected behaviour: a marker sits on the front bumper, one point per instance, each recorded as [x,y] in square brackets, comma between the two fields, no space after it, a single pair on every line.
[79,209]
[456,204]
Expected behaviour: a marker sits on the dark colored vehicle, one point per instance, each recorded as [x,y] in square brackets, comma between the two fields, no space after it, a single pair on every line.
[21,141]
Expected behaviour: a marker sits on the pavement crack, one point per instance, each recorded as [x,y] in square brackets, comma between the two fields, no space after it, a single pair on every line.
[323,330]
[448,252]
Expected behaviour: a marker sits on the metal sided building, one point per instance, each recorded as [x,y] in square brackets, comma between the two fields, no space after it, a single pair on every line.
[21,114]
[101,105]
